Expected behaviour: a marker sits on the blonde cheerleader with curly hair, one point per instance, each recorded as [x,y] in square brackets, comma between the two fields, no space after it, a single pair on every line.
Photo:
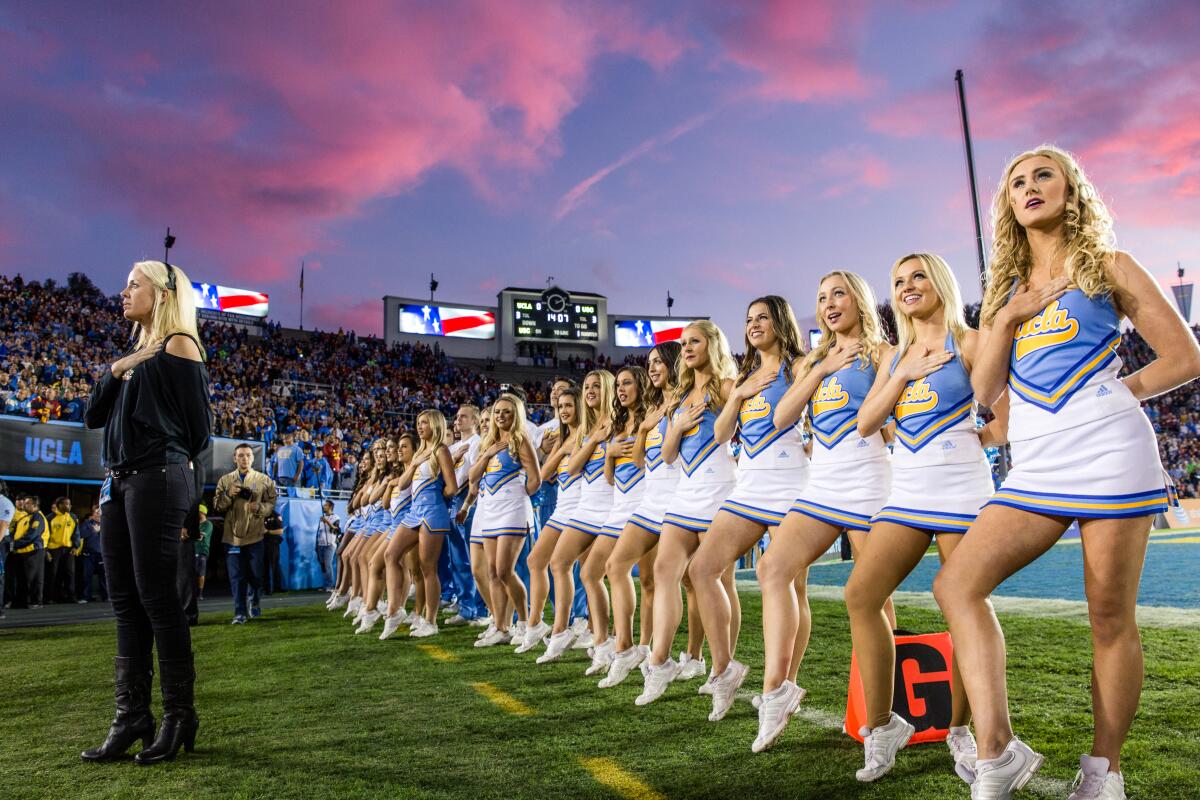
[1082,450]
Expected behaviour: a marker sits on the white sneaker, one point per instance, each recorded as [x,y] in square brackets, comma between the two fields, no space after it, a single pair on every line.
[775,710]
[999,778]
[558,644]
[457,619]
[517,632]
[453,608]
[690,668]
[602,657]
[424,630]
[724,689]
[497,637]
[645,665]
[413,619]
[881,746]
[580,626]
[488,631]
[1095,782]
[533,636]
[352,607]
[623,663]
[381,606]
[480,622]
[583,641]
[368,621]
[657,680]
[391,625]
[962,750]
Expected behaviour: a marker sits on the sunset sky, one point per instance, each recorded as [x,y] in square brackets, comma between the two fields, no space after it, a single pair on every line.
[718,150]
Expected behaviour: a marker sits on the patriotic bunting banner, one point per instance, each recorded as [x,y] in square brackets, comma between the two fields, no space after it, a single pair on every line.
[431,320]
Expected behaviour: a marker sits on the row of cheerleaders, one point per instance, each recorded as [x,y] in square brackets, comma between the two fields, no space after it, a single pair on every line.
[680,469]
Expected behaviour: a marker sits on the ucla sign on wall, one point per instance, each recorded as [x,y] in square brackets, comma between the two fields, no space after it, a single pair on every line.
[68,451]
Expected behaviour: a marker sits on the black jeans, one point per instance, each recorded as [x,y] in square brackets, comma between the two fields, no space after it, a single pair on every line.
[139,536]
[34,567]
[272,569]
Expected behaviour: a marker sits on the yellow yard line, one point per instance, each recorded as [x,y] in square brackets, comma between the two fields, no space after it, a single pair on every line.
[607,772]
[502,699]
[437,653]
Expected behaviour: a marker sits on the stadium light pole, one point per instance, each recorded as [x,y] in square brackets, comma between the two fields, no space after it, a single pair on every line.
[670,302]
[433,284]
[966,130]
[168,243]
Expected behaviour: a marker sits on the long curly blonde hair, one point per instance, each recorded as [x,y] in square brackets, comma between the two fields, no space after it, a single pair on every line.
[1088,239]
[871,330]
[720,363]
[428,451]
[946,286]
[517,435]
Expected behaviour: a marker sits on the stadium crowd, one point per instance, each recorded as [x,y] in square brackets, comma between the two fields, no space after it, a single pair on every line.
[334,393]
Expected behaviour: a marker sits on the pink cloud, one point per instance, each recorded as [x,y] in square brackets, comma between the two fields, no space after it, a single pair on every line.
[250,145]
[362,316]
[804,50]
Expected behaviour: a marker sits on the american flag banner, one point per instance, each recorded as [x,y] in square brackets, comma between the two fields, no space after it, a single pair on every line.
[431,320]
[233,301]
[647,332]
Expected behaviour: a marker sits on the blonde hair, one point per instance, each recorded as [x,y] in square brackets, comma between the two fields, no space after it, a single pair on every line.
[517,436]
[870,328]
[176,313]
[720,363]
[592,417]
[1088,237]
[946,286]
[429,450]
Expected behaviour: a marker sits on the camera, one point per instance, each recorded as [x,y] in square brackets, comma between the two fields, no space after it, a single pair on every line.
[244,494]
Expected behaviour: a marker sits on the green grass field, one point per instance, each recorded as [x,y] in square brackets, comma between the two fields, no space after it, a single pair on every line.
[295,706]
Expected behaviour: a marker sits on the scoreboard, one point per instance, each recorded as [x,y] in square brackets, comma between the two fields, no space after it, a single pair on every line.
[556,315]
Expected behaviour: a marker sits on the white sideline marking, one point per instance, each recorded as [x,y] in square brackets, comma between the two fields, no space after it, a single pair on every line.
[1070,610]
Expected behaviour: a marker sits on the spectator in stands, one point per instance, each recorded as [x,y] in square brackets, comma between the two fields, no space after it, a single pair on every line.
[203,546]
[332,451]
[18,404]
[7,511]
[348,475]
[29,543]
[246,497]
[46,406]
[91,563]
[273,580]
[289,462]
[60,555]
[329,528]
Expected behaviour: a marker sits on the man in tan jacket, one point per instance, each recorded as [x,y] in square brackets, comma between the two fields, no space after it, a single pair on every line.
[245,496]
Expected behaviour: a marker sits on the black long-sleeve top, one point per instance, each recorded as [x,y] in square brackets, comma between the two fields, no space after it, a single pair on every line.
[158,413]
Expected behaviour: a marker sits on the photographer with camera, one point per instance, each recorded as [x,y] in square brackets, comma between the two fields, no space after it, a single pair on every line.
[246,497]
[329,530]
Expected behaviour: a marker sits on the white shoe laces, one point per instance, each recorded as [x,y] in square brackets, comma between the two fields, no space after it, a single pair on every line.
[1088,785]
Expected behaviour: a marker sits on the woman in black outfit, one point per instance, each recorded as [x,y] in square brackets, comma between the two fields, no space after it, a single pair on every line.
[153,403]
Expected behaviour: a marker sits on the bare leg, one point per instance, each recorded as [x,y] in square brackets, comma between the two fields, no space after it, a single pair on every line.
[592,576]
[501,612]
[396,574]
[646,579]
[1113,553]
[412,560]
[571,545]
[891,553]
[1001,541]
[858,540]
[430,547]
[960,706]
[711,572]
[695,631]
[675,549]
[508,550]
[539,572]
[782,574]
[634,544]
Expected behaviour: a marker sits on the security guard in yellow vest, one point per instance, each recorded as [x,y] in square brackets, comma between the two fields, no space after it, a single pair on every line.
[30,531]
[60,563]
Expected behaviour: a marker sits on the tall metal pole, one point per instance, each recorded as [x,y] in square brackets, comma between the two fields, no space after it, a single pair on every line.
[966,129]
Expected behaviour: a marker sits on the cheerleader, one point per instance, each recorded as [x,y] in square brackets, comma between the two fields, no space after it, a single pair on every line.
[376,483]
[341,590]
[627,478]
[639,538]
[587,521]
[940,480]
[1081,450]
[399,502]
[507,473]
[772,470]
[848,483]
[470,515]
[553,468]
[380,523]
[705,383]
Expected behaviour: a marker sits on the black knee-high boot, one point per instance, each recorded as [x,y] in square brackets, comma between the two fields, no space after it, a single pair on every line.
[134,720]
[179,720]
